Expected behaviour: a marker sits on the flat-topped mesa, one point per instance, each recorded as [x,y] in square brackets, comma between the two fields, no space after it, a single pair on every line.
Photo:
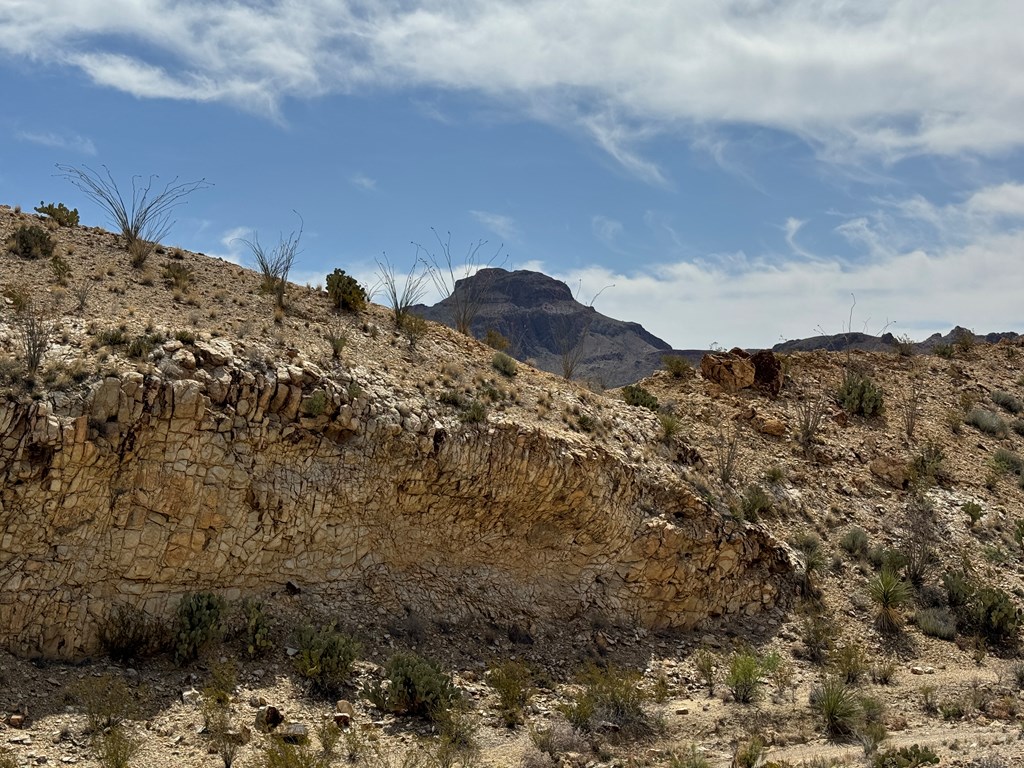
[238,480]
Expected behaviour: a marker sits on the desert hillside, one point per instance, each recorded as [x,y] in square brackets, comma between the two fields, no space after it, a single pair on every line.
[214,496]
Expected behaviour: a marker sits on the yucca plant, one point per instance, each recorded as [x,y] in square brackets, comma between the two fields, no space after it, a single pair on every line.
[889,593]
[837,706]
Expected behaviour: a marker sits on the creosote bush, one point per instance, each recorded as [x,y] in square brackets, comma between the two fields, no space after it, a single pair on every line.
[31,242]
[855,542]
[513,683]
[198,625]
[325,658]
[860,396]
[678,367]
[417,686]
[610,695]
[345,291]
[636,395]
[744,676]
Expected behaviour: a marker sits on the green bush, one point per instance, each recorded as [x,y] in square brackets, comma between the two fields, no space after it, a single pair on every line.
[889,593]
[31,242]
[744,676]
[850,663]
[928,467]
[973,510]
[1018,426]
[475,412]
[670,426]
[198,624]
[127,633]
[278,754]
[756,502]
[1007,462]
[59,213]
[987,421]
[504,364]
[417,686]
[936,622]
[114,748]
[177,275]
[325,658]
[691,758]
[610,696]
[860,396]
[345,291]
[60,268]
[995,615]
[1007,402]
[677,366]
[107,701]
[837,707]
[513,683]
[636,395]
[855,542]
[905,757]
[253,627]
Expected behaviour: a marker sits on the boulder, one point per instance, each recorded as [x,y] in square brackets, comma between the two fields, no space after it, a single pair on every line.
[767,372]
[729,371]
[892,471]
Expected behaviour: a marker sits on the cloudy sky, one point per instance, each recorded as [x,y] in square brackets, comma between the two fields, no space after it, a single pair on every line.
[736,169]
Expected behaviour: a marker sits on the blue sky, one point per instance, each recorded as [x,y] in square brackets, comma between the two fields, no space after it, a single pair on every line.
[736,169]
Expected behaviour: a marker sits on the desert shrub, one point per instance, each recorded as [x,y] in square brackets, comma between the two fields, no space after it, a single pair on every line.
[31,242]
[417,686]
[775,474]
[513,683]
[345,291]
[744,676]
[1017,674]
[883,672]
[495,340]
[677,366]
[128,633]
[1006,462]
[253,628]
[749,753]
[995,615]
[855,542]
[690,758]
[936,622]
[928,467]
[973,510]
[504,364]
[809,414]
[671,426]
[139,251]
[107,701]
[889,593]
[325,658]
[59,213]
[850,663]
[756,502]
[198,624]
[860,396]
[177,275]
[809,545]
[636,395]
[60,268]
[706,664]
[475,412]
[913,756]
[959,590]
[1007,402]
[142,345]
[1017,425]
[557,738]
[837,707]
[315,404]
[114,748]
[987,421]
[279,754]
[610,696]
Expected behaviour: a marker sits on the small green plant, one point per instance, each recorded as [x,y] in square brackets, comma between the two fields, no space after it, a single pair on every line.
[106,700]
[816,636]
[637,396]
[1007,402]
[987,421]
[837,707]
[505,364]
[889,593]
[198,624]
[139,251]
[345,291]
[690,758]
[59,213]
[855,542]
[475,412]
[1007,462]
[883,672]
[756,502]
[513,683]
[749,754]
[495,340]
[860,396]
[850,663]
[928,468]
[277,753]
[60,268]
[913,756]
[744,676]
[128,633]
[315,404]
[325,658]
[671,426]
[31,242]
[610,696]
[253,627]
[936,622]
[706,663]
[177,275]
[417,686]
[973,510]
[774,475]
[677,366]
[945,351]
[337,340]
[114,748]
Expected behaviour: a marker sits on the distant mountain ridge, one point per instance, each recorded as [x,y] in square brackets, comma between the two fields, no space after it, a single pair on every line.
[841,342]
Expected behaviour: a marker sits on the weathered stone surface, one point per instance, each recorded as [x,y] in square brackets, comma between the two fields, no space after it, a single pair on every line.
[386,498]
[731,372]
[892,471]
[768,374]
[768,425]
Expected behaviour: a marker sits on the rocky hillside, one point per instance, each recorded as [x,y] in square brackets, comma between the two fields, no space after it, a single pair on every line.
[685,572]
[543,323]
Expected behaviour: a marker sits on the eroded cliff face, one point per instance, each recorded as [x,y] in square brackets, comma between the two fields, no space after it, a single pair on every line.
[216,475]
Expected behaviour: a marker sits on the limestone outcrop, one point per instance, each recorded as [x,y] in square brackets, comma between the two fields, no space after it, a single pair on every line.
[215,473]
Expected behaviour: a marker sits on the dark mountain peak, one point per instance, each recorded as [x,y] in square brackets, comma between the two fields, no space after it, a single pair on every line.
[522,287]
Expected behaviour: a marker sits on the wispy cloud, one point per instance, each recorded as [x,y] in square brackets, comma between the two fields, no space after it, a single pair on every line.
[503,226]
[362,181]
[841,76]
[606,230]
[69,141]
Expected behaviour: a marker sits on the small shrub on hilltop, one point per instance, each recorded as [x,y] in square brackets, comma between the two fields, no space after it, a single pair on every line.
[345,291]
[417,686]
[59,213]
[325,658]
[31,242]
[1007,402]
[198,624]
[177,275]
[677,366]
[504,364]
[860,396]
[636,395]
[756,502]
[744,676]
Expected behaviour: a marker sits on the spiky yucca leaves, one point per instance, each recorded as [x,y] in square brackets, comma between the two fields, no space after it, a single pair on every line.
[889,593]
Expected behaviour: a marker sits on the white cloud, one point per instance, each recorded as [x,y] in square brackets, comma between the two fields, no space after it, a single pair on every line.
[235,250]
[503,226]
[878,78]
[362,181]
[71,141]
[606,230]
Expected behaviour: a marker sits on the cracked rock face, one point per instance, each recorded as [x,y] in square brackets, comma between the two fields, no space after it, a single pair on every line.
[240,480]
